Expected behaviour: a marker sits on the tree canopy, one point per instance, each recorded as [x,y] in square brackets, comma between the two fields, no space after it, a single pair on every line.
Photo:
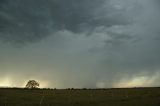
[32,84]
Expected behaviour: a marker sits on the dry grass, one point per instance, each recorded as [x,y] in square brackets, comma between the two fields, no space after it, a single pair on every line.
[108,97]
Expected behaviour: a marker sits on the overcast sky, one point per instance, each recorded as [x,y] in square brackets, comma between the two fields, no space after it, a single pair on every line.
[80,43]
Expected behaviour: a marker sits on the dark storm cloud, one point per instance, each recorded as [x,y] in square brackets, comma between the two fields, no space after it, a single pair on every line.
[82,43]
[23,21]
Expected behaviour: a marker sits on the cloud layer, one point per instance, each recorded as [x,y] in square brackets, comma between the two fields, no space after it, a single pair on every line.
[80,43]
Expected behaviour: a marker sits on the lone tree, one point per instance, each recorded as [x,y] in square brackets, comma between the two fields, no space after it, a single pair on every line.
[32,84]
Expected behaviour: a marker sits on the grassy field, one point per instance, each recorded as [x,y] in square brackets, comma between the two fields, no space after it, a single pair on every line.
[107,97]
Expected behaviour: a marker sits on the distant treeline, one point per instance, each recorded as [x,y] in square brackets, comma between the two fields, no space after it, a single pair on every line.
[74,88]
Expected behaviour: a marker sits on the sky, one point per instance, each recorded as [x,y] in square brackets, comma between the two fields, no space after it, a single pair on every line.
[80,43]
